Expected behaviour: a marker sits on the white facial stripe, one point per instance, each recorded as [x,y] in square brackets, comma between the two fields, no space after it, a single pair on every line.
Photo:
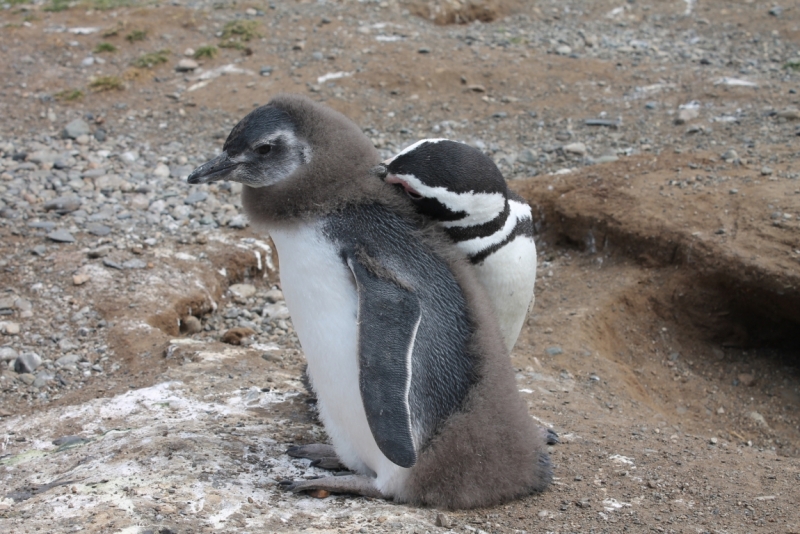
[479,207]
[412,147]
[519,211]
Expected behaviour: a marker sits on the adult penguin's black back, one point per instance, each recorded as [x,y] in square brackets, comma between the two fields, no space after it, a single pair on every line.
[413,383]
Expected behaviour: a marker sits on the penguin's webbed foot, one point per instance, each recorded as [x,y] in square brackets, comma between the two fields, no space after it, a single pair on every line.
[321,455]
[355,484]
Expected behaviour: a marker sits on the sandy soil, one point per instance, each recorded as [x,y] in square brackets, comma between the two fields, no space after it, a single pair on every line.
[663,346]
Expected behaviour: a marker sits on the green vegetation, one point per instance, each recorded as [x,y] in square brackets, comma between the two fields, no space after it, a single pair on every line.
[237,32]
[69,95]
[111,32]
[106,83]
[150,60]
[792,65]
[105,47]
[57,5]
[136,35]
[208,51]
[110,4]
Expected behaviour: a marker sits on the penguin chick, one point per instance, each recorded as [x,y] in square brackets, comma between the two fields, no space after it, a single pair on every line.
[413,385]
[463,190]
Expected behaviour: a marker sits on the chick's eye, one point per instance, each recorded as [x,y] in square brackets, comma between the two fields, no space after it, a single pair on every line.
[263,150]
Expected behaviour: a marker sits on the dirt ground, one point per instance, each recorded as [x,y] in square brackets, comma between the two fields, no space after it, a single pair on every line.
[663,345]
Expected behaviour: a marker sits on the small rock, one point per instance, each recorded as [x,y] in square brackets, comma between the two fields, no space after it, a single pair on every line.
[8,354]
[563,50]
[61,236]
[579,149]
[554,351]
[766,171]
[276,311]
[8,328]
[266,70]
[730,155]
[242,291]
[758,418]
[234,336]
[99,252]
[527,156]
[238,221]
[274,295]
[27,362]
[195,197]
[111,263]
[62,205]
[191,325]
[98,229]
[747,379]
[776,11]
[688,112]
[69,359]
[27,378]
[713,441]
[79,279]
[186,65]
[76,128]
[424,50]
[442,520]
[791,114]
[161,171]
[135,263]
[42,378]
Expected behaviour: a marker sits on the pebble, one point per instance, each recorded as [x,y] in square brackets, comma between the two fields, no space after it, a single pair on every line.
[61,236]
[747,379]
[62,205]
[791,114]
[195,197]
[242,291]
[554,351]
[8,328]
[238,221]
[69,359]
[8,354]
[274,295]
[186,65]
[27,362]
[98,229]
[688,112]
[76,128]
[111,263]
[730,155]
[135,263]
[579,149]
[563,50]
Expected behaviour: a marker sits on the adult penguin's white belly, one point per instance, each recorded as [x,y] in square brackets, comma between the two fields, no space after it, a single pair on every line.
[509,274]
[323,302]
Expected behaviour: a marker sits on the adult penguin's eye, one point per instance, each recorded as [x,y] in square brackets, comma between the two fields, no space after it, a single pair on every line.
[263,150]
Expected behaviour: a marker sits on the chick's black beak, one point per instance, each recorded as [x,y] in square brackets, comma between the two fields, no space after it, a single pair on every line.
[381,171]
[212,170]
